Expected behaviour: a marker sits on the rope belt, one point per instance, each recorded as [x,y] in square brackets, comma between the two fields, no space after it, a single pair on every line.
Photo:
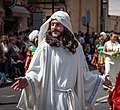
[70,97]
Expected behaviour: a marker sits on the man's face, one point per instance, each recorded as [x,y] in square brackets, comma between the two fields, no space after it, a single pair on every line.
[56,28]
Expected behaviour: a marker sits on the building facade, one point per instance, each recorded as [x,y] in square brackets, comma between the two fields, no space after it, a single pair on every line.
[76,8]
[86,15]
[94,13]
[13,16]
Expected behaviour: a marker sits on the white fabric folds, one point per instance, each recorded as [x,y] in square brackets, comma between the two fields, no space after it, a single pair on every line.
[58,79]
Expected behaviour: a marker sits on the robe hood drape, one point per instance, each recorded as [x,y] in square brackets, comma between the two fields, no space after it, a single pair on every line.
[62,17]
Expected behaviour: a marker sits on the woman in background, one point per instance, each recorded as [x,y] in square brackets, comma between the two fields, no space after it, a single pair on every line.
[33,37]
[101,56]
[112,66]
[98,57]
[6,47]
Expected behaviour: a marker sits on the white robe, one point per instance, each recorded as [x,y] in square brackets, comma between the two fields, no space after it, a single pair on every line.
[59,80]
[112,65]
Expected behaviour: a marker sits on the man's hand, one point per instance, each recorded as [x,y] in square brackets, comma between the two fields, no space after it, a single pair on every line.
[20,83]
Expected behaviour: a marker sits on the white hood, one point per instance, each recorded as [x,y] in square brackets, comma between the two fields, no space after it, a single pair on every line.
[62,17]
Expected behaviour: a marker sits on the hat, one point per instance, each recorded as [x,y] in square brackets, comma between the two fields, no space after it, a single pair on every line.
[103,34]
[33,34]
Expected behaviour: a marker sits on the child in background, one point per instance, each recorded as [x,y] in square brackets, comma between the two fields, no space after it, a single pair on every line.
[33,37]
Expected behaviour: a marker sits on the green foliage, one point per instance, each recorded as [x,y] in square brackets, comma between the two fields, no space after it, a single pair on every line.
[116,54]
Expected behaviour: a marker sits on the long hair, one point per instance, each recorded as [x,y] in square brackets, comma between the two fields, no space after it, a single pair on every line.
[4,38]
[68,40]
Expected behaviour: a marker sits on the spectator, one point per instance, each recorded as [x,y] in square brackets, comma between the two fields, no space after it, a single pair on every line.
[33,37]
[6,64]
[111,64]
[21,43]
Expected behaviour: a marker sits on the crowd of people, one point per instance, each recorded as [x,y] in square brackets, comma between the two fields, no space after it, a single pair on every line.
[106,58]
[16,51]
[52,68]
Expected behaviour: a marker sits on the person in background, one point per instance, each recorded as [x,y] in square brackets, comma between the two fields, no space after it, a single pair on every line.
[98,57]
[87,52]
[27,32]
[21,43]
[33,37]
[112,66]
[14,50]
[58,77]
[4,79]
[17,60]
[6,64]
[101,56]
[2,57]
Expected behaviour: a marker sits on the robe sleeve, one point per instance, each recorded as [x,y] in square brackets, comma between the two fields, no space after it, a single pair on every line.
[88,84]
[31,94]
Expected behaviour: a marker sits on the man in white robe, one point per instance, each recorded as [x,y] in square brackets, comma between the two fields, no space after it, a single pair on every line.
[58,77]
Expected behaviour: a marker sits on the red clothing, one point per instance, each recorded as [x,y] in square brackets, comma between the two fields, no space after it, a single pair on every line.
[114,96]
[29,55]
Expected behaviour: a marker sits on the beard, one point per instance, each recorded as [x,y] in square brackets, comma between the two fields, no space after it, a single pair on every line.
[56,34]
[53,38]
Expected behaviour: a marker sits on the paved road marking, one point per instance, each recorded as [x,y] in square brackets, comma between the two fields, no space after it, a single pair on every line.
[8,96]
[101,100]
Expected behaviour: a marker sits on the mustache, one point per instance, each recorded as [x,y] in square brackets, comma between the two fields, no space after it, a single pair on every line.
[55,30]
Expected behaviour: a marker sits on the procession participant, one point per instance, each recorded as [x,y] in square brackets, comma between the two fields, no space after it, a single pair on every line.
[98,59]
[33,37]
[111,61]
[58,77]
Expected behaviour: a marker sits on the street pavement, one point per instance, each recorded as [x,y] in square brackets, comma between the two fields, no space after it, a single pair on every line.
[9,98]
